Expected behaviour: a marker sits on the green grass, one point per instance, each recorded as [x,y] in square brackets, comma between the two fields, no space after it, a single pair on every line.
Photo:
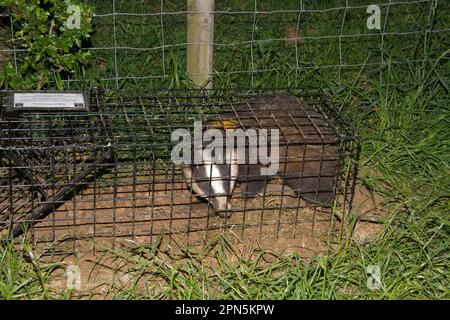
[412,255]
[405,139]
[23,275]
[401,112]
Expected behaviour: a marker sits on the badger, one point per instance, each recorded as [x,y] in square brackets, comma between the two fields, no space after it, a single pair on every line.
[214,180]
[307,155]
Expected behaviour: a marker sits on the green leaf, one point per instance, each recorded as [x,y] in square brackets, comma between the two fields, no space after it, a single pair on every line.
[52,50]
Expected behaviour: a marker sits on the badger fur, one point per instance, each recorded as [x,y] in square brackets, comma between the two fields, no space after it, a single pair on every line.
[307,156]
[213,182]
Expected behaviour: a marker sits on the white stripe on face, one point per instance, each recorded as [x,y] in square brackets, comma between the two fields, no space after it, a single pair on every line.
[218,183]
[213,173]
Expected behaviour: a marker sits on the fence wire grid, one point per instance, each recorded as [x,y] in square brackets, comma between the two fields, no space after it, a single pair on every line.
[259,42]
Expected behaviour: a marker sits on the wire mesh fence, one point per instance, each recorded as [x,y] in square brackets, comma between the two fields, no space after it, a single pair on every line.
[255,42]
[100,176]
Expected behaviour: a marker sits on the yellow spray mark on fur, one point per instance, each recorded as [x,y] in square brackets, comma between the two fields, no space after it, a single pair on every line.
[225,124]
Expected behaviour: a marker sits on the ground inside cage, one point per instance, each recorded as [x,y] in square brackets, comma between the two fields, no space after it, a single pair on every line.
[140,213]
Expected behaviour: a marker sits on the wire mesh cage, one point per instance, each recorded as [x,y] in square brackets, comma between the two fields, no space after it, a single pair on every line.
[94,177]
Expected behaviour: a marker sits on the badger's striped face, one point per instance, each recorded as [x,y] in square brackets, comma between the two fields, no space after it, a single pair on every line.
[214,182]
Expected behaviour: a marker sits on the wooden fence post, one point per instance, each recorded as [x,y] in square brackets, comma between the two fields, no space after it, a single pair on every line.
[200,39]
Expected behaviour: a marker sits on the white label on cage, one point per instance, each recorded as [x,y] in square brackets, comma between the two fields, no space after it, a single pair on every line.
[49,100]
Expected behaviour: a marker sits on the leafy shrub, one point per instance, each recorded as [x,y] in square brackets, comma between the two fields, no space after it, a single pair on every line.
[51,33]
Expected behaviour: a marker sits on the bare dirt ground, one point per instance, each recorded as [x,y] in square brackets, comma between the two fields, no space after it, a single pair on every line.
[367,204]
[137,215]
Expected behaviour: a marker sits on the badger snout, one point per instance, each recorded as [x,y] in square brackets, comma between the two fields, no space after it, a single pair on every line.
[221,206]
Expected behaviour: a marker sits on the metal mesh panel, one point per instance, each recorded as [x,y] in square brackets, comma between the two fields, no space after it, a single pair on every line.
[98,177]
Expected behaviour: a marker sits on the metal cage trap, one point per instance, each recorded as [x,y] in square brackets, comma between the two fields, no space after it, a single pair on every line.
[104,171]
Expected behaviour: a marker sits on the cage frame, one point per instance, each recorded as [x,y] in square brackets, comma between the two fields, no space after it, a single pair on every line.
[98,96]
